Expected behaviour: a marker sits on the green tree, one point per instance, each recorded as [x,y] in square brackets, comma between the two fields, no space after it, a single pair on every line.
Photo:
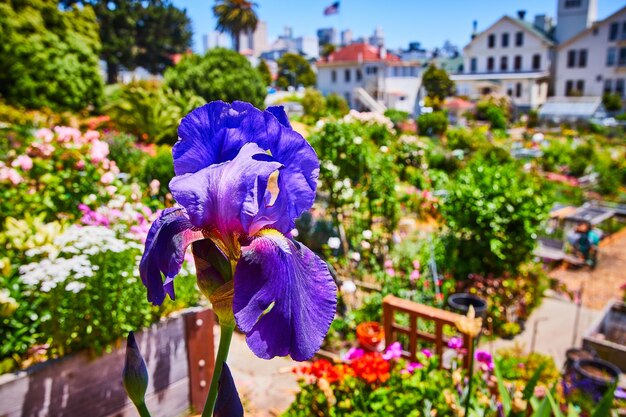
[432,124]
[313,104]
[221,74]
[493,213]
[235,17]
[438,85]
[294,70]
[49,57]
[612,102]
[139,33]
[264,69]
[337,105]
[327,49]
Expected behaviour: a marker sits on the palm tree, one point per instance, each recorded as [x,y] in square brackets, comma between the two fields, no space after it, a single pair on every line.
[235,17]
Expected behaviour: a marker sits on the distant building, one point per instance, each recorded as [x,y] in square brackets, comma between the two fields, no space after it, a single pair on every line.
[215,40]
[378,38]
[346,37]
[370,79]
[326,36]
[308,46]
[511,57]
[574,16]
[254,43]
[593,62]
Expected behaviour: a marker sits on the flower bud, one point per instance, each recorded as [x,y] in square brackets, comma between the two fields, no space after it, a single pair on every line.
[135,374]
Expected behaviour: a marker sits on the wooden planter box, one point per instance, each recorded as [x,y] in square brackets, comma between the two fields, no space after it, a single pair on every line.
[607,337]
[178,353]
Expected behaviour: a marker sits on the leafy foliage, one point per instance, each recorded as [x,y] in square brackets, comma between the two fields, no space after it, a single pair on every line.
[264,69]
[493,213]
[433,124]
[49,57]
[221,74]
[294,70]
[235,17]
[438,85]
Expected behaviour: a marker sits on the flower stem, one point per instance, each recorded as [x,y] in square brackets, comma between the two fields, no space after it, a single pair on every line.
[471,378]
[143,410]
[226,335]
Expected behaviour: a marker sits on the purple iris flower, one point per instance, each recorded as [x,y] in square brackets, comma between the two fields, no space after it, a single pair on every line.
[243,176]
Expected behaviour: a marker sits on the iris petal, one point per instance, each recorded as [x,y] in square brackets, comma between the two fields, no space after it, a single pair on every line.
[226,196]
[215,133]
[285,297]
[228,403]
[166,243]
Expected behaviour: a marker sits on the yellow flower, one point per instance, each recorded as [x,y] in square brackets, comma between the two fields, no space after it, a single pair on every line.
[518,404]
[470,324]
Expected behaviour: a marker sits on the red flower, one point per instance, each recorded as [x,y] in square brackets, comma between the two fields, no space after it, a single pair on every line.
[371,367]
[324,369]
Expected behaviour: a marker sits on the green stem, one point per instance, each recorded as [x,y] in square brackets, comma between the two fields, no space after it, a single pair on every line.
[226,335]
[471,377]
[143,410]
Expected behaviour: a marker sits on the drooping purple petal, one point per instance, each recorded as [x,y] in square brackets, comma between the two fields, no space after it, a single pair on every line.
[227,196]
[285,297]
[228,403]
[216,132]
[166,243]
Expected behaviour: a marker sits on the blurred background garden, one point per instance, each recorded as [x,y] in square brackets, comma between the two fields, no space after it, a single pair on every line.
[485,202]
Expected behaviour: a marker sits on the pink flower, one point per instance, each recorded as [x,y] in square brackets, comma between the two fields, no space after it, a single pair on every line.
[391,272]
[44,134]
[416,264]
[393,351]
[388,264]
[411,367]
[485,359]
[99,150]
[10,174]
[107,177]
[415,275]
[67,134]
[24,162]
[353,353]
[154,186]
[427,353]
[455,343]
[91,135]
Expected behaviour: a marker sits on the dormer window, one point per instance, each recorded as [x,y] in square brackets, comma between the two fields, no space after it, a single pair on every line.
[491,41]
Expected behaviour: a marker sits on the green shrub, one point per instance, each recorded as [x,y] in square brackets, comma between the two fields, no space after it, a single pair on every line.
[49,57]
[221,74]
[612,102]
[432,124]
[314,105]
[397,116]
[122,150]
[159,167]
[336,105]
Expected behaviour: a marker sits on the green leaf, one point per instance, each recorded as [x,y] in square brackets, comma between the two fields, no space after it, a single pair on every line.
[604,406]
[554,404]
[532,382]
[543,409]
[504,393]
[572,412]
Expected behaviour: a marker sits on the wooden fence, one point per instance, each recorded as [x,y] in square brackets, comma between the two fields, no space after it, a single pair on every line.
[393,305]
[179,356]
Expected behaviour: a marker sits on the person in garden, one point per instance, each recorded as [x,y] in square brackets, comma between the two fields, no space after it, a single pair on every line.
[242,177]
[587,243]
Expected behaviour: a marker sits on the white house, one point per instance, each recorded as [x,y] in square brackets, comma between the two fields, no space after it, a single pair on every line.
[369,78]
[593,62]
[513,57]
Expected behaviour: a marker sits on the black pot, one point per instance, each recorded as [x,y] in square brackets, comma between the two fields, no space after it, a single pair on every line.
[575,354]
[462,301]
[582,369]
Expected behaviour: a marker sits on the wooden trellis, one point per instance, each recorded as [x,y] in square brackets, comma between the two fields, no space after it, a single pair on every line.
[416,311]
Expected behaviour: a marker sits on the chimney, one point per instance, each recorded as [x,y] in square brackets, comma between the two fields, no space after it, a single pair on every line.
[543,23]
[474,28]
[521,14]
[382,52]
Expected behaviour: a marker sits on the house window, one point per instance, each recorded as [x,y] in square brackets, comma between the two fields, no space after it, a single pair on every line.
[505,40]
[621,61]
[347,75]
[582,58]
[580,87]
[611,55]
[619,87]
[624,30]
[473,64]
[571,58]
[504,63]
[491,41]
[359,75]
[517,63]
[519,39]
[613,30]
[333,76]
[570,4]
[490,64]
[536,61]
[569,87]
[518,90]
[607,86]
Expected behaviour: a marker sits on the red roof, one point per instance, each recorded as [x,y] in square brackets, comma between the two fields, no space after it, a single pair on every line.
[359,52]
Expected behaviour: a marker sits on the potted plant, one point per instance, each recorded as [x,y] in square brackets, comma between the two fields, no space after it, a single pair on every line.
[462,301]
[370,334]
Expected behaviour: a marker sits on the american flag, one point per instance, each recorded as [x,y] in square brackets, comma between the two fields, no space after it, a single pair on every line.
[332,9]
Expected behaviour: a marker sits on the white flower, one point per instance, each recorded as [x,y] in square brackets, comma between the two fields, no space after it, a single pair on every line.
[348,287]
[334,242]
[295,233]
[367,234]
[75,286]
[384,149]
[355,256]
[358,140]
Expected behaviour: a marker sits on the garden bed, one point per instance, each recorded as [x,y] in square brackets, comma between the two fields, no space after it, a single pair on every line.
[78,384]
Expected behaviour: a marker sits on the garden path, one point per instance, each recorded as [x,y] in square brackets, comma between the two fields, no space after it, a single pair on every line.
[266,387]
[603,283]
[555,322]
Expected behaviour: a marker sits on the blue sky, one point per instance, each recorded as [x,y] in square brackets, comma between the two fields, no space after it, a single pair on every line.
[430,22]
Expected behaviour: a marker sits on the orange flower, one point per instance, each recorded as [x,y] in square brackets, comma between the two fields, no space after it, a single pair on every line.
[371,367]
[326,370]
